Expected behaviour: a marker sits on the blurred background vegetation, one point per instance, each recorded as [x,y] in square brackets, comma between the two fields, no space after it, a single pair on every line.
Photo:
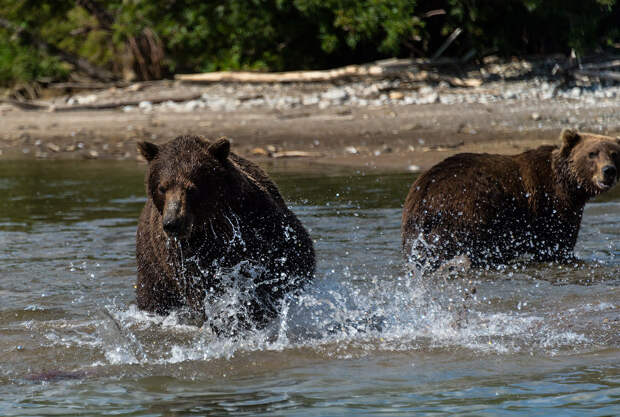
[48,40]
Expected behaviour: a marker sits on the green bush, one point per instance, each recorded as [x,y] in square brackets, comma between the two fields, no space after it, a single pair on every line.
[21,64]
[534,26]
[195,36]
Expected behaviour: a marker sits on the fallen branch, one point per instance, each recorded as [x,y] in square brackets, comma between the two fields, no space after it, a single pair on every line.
[425,76]
[463,82]
[447,43]
[602,75]
[296,154]
[85,85]
[24,105]
[442,147]
[123,103]
[571,66]
[602,65]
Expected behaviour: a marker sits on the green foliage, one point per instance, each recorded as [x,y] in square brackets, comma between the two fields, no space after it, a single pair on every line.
[198,35]
[19,61]
[534,26]
[355,22]
[20,64]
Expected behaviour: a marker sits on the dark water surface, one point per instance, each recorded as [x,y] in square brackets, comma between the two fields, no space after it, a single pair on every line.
[364,339]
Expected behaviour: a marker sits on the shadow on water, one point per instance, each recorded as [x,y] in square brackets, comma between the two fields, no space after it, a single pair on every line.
[364,338]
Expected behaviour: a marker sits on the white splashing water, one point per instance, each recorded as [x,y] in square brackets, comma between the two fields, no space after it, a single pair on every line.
[344,314]
[354,317]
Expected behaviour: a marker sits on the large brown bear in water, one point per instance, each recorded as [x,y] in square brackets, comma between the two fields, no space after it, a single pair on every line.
[493,208]
[209,211]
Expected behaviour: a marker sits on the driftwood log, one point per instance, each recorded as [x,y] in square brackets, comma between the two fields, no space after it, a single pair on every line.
[296,154]
[601,75]
[608,69]
[390,67]
[283,77]
[27,105]
[600,70]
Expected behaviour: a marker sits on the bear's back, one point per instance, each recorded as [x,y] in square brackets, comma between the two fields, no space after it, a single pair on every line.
[463,184]
[255,173]
[468,202]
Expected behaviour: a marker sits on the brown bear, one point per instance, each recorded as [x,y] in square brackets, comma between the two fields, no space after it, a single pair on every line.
[494,208]
[213,220]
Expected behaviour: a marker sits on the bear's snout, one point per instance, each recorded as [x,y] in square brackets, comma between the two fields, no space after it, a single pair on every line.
[175,220]
[607,177]
[609,172]
[173,225]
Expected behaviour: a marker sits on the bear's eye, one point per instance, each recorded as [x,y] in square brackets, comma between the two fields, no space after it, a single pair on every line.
[161,189]
[593,154]
[614,155]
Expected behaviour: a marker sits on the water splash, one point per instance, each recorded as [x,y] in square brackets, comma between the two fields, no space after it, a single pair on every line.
[350,311]
[347,318]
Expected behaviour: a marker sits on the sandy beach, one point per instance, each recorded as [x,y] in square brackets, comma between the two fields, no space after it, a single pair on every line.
[371,124]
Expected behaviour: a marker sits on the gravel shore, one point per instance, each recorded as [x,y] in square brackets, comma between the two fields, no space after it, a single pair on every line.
[396,123]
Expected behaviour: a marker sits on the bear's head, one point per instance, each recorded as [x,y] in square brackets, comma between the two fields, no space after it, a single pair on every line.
[187,179]
[593,160]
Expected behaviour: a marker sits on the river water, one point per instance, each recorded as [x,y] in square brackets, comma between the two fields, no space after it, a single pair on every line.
[365,338]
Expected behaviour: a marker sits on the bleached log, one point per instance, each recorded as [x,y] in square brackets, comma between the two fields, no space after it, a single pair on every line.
[24,105]
[601,75]
[283,77]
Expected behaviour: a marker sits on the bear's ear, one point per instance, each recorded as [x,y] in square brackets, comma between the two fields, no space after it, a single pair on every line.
[203,140]
[148,150]
[220,149]
[570,138]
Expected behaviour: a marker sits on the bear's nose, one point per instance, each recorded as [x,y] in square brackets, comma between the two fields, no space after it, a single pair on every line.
[173,225]
[173,221]
[609,171]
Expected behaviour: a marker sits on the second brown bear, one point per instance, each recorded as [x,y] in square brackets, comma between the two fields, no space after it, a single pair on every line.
[493,208]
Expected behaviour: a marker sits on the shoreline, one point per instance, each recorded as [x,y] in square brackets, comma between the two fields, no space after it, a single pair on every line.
[389,132]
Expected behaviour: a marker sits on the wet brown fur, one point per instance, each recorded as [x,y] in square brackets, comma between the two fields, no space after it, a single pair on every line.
[215,195]
[493,208]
